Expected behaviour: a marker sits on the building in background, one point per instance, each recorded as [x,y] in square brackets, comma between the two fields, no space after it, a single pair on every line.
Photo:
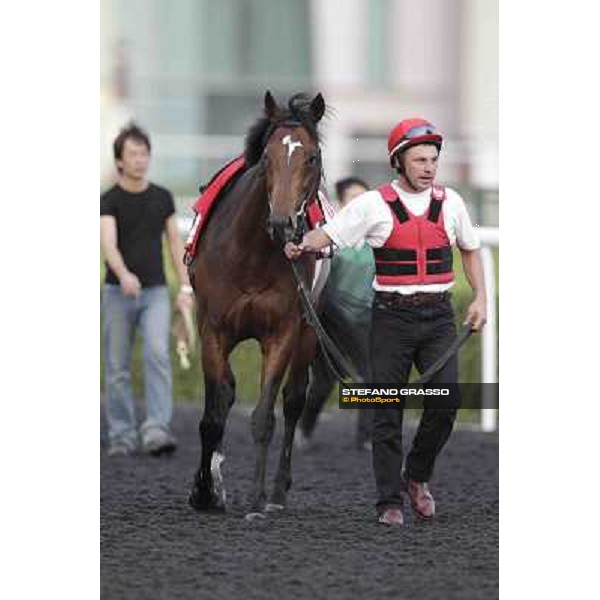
[194,72]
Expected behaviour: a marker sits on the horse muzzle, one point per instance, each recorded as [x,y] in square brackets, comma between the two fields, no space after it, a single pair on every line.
[281,229]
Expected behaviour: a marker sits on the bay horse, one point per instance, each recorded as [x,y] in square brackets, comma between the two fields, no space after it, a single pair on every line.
[244,289]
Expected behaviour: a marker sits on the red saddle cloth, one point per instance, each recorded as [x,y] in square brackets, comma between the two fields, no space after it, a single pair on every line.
[207,199]
[205,202]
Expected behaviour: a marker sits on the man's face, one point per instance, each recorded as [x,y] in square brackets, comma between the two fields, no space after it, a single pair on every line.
[420,166]
[135,159]
[351,192]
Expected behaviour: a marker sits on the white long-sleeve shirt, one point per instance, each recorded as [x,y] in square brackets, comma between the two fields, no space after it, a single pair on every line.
[368,219]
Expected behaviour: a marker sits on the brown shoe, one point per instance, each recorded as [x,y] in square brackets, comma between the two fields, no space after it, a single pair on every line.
[421,499]
[391,516]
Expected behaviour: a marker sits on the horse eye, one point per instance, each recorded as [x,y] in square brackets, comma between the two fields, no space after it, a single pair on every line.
[312,160]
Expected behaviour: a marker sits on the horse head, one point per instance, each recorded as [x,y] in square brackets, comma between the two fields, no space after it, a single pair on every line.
[291,159]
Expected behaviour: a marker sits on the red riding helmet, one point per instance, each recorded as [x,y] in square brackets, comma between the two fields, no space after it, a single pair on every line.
[412,132]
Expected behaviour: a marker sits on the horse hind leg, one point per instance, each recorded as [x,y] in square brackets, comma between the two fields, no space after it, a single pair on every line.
[294,398]
[208,490]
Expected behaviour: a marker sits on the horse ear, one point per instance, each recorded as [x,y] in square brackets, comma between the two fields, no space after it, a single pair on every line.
[270,105]
[317,107]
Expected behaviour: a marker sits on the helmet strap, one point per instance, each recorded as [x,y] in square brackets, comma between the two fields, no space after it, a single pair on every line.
[398,164]
[409,182]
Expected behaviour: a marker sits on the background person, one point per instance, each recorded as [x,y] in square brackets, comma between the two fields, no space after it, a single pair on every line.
[346,315]
[134,214]
[411,223]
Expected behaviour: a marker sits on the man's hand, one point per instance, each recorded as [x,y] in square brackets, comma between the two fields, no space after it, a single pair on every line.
[313,241]
[477,314]
[293,251]
[130,284]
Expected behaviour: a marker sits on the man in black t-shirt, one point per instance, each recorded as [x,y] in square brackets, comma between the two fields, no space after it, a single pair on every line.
[134,214]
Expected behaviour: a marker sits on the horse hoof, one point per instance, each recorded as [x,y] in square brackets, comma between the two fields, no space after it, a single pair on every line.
[272,507]
[200,505]
[301,441]
[196,502]
[252,516]
[209,509]
[204,500]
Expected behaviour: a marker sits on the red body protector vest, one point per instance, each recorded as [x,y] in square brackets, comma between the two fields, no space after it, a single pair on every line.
[418,250]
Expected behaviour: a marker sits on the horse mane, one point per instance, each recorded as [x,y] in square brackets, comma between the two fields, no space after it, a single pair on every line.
[298,109]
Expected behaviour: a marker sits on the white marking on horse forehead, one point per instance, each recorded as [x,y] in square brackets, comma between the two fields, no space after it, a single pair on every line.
[291,144]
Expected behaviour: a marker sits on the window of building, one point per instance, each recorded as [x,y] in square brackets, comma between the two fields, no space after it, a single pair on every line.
[252,41]
[377,43]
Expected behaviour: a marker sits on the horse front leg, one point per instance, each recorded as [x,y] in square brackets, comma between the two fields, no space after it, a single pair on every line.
[276,356]
[208,491]
[294,399]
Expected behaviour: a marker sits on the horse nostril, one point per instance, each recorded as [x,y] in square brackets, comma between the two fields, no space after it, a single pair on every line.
[279,222]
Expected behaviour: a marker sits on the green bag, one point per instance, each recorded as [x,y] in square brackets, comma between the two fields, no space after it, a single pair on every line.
[346,303]
[350,282]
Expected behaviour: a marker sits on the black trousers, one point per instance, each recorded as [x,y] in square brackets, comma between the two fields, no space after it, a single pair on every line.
[402,337]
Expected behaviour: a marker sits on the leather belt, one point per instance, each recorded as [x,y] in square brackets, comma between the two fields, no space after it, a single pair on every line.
[392,300]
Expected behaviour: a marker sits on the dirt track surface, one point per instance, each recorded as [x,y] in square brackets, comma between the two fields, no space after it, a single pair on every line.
[326,545]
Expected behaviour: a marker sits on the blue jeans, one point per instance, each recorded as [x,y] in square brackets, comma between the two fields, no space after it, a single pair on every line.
[151,311]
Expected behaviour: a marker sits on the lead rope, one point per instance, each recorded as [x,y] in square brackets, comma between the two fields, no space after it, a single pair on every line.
[330,351]
[462,337]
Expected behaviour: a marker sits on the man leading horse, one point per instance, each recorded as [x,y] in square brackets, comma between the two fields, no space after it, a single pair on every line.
[412,224]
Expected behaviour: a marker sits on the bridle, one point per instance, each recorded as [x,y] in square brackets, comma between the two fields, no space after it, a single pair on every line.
[283,230]
[286,229]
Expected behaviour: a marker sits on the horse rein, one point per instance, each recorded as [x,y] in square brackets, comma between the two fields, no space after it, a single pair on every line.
[332,353]
[330,350]
[465,333]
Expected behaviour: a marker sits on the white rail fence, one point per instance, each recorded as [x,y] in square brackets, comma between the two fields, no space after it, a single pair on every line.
[490,237]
